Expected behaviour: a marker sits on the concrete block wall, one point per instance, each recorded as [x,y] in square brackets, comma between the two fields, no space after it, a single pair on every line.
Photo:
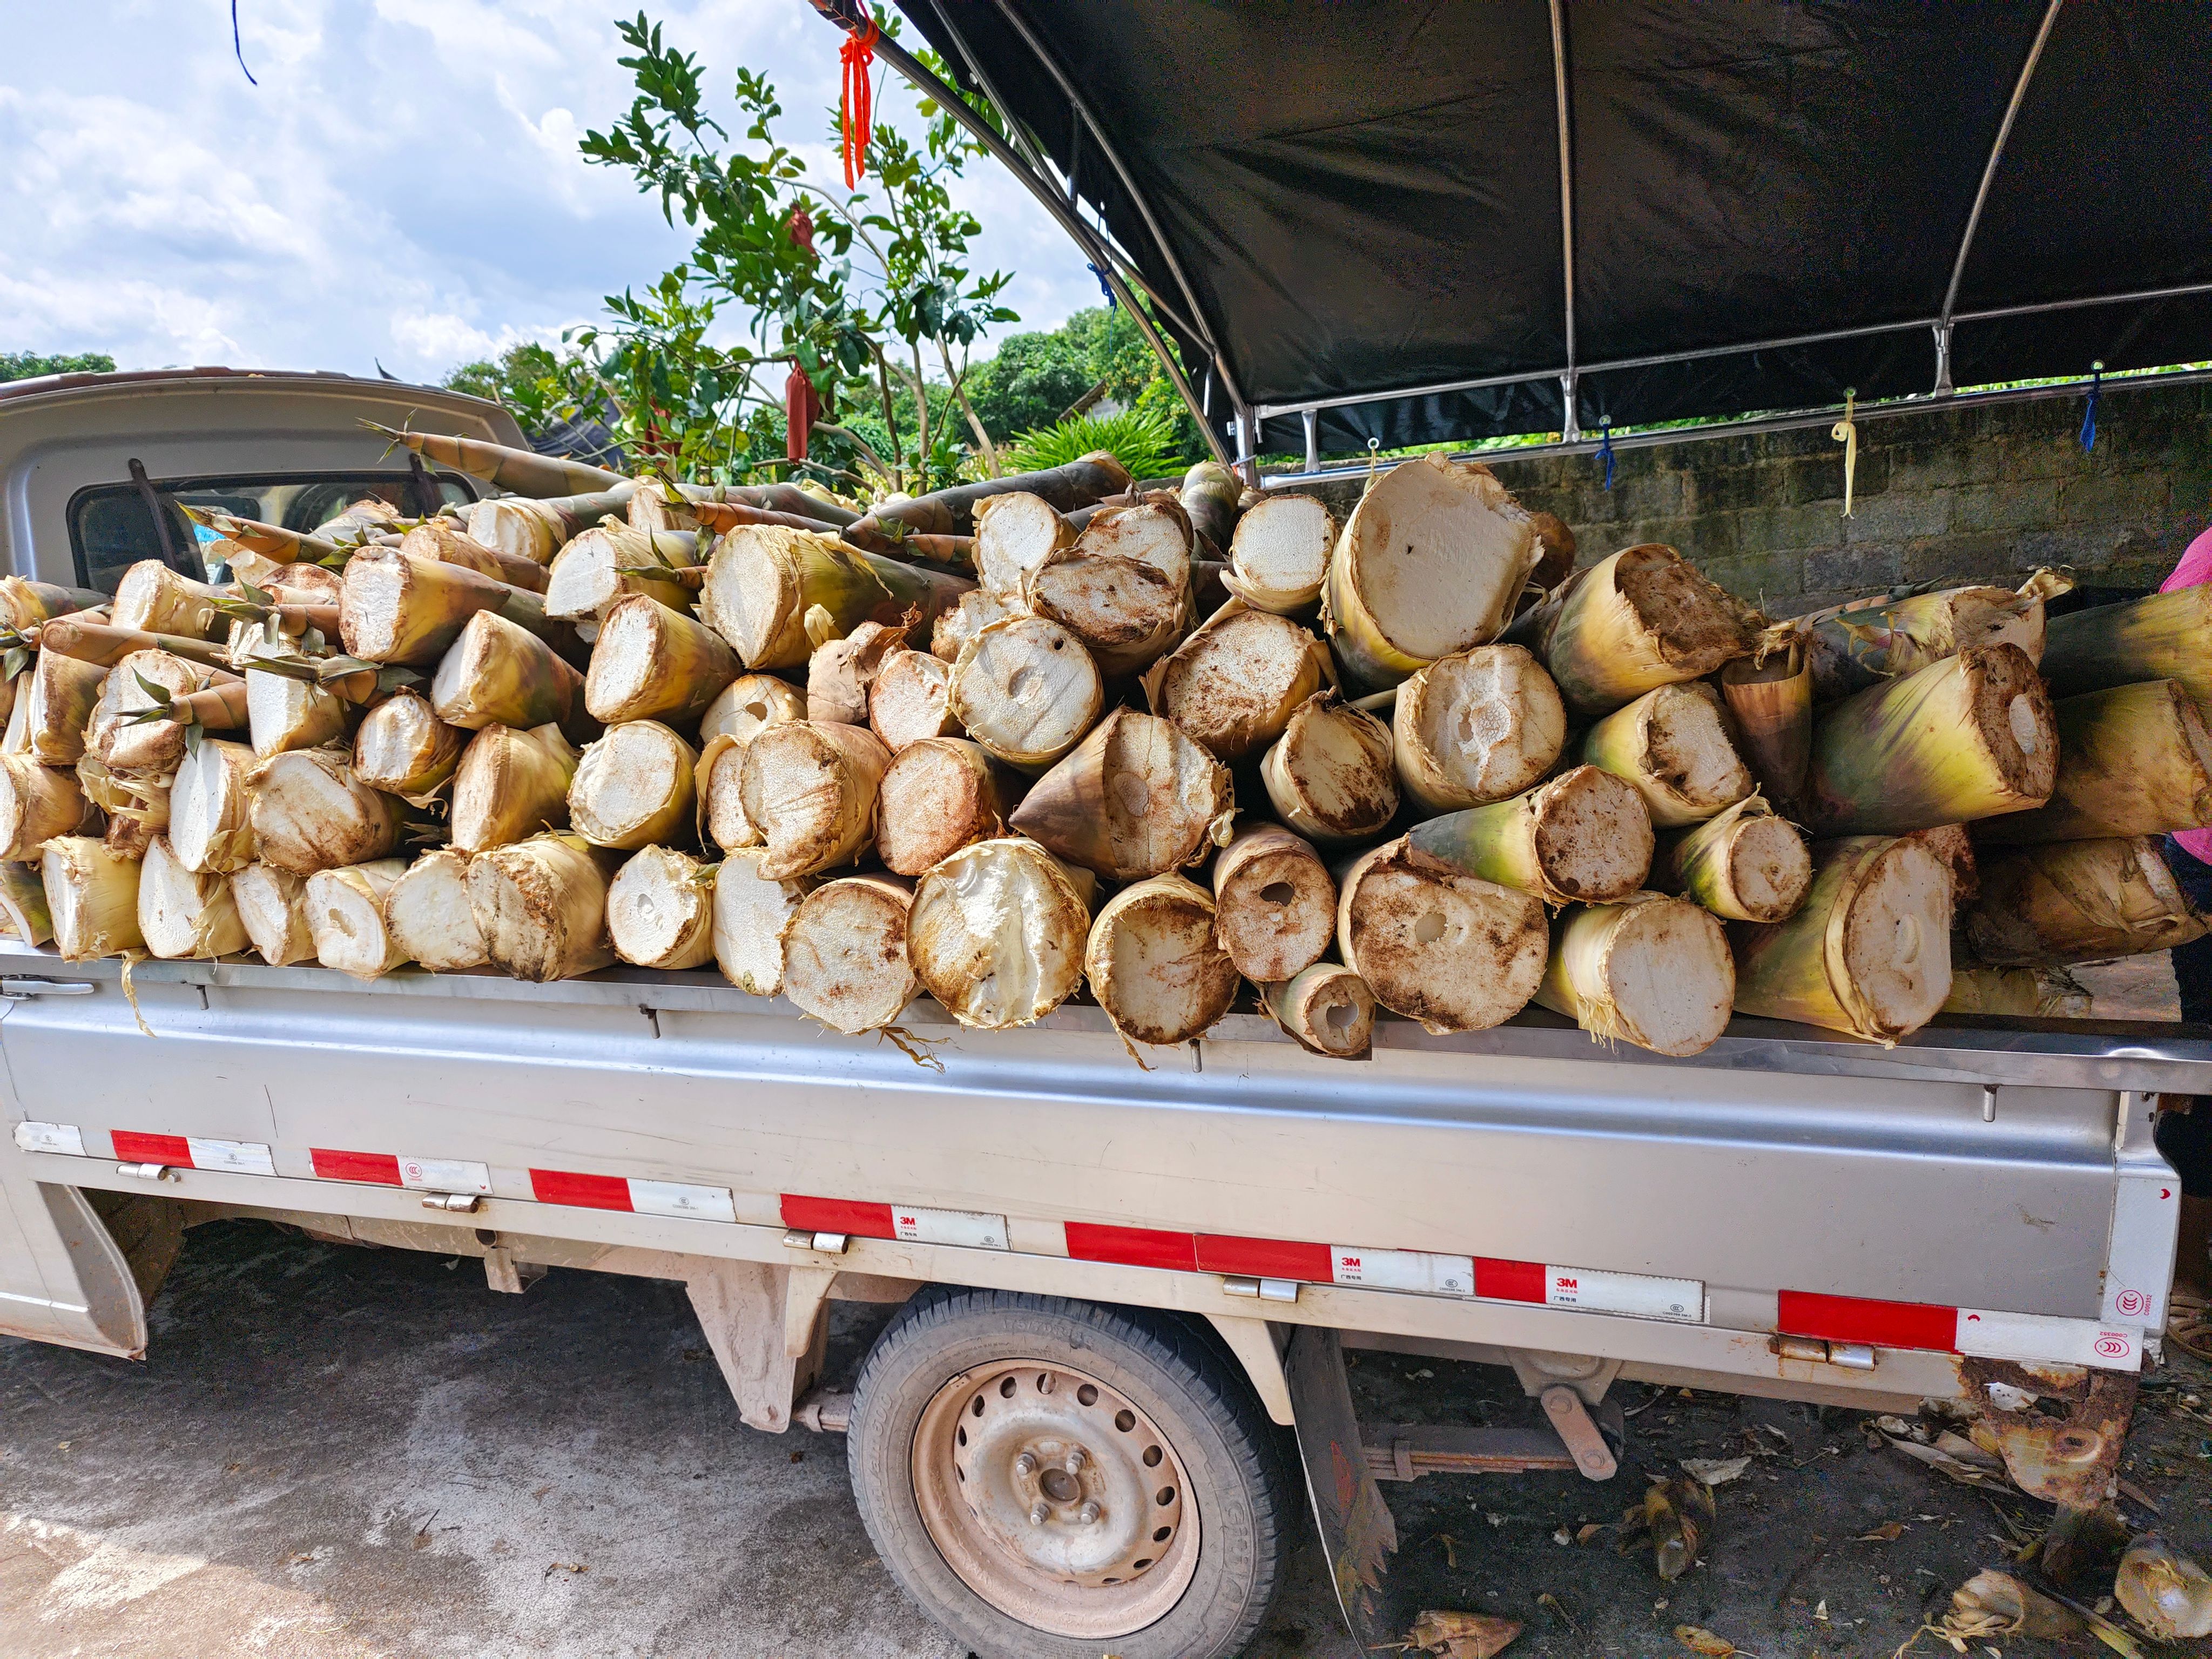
[1955,494]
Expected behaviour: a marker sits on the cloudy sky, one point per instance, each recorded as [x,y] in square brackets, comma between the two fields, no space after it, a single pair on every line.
[402,185]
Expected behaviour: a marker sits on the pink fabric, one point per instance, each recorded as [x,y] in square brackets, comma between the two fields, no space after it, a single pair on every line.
[2195,570]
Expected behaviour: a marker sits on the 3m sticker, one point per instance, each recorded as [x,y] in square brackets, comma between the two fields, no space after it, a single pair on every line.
[51,1138]
[970,1228]
[1419,1271]
[231,1157]
[1636,1294]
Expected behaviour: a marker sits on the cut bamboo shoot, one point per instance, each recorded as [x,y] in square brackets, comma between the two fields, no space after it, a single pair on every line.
[2078,901]
[1969,737]
[635,786]
[1584,835]
[1330,775]
[1954,848]
[283,713]
[510,785]
[1430,562]
[309,812]
[25,604]
[517,524]
[272,906]
[652,663]
[47,722]
[1126,611]
[92,898]
[345,912]
[1027,690]
[996,933]
[937,796]
[1278,558]
[964,621]
[1014,534]
[1746,864]
[1476,726]
[1769,695]
[1233,684]
[498,674]
[23,915]
[1673,745]
[1869,951]
[1274,905]
[1637,620]
[1650,970]
[1136,798]
[751,912]
[427,911]
[1852,646]
[117,740]
[1328,1009]
[911,697]
[2018,993]
[809,792]
[400,608]
[748,703]
[158,599]
[844,953]
[37,803]
[541,905]
[403,749]
[2162,636]
[841,673]
[763,581]
[1153,962]
[611,562]
[1153,530]
[1455,952]
[660,910]
[184,912]
[2134,760]
[445,539]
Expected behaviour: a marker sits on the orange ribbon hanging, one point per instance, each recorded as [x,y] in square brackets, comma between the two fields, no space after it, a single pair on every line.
[856,113]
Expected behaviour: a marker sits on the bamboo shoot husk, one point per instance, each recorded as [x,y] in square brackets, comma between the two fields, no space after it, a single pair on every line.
[1869,951]
[1746,864]
[345,912]
[2134,760]
[285,713]
[1153,962]
[2078,901]
[524,471]
[747,704]
[353,525]
[1153,530]
[510,785]
[1330,775]
[809,792]
[635,787]
[403,749]
[498,674]
[911,697]
[1274,905]
[1455,952]
[2018,993]
[996,933]
[541,905]
[1673,745]
[751,912]
[1014,534]
[762,581]
[605,564]
[1969,737]
[92,898]
[272,907]
[24,604]
[399,608]
[1278,558]
[1650,970]
[1476,726]
[952,512]
[158,600]
[841,672]
[937,796]
[309,812]
[104,644]
[1769,695]
[37,803]
[1127,612]
[23,915]
[1209,497]
[132,828]
[1136,798]
[1851,646]
[1328,1009]
[1557,562]
[47,721]
[427,915]
[1584,835]
[443,538]
[844,953]
[1027,690]
[1430,562]
[652,663]
[660,910]
[964,621]
[2161,636]
[1233,684]
[650,509]
[1637,620]
[122,743]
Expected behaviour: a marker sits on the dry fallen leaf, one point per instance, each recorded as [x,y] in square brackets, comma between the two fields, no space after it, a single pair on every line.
[1702,1641]
[1586,1531]
[1716,1471]
[566,1566]
[1887,1533]
[1462,1635]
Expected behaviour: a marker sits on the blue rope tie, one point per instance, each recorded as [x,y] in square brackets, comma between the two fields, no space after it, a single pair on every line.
[2089,414]
[237,47]
[1605,448]
[1104,286]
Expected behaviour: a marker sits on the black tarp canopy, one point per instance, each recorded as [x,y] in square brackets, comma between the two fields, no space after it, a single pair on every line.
[1361,200]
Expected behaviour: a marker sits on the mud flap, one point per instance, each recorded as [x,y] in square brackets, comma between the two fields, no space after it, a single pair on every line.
[1356,1531]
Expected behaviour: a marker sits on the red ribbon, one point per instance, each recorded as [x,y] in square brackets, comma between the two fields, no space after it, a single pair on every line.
[856,113]
[802,407]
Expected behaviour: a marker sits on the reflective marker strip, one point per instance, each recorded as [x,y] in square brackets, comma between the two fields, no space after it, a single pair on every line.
[1641,1295]
[1263,1258]
[50,1138]
[909,1224]
[836,1215]
[2146,1216]
[192,1153]
[1419,1271]
[431,1174]
[1131,1247]
[381,1168]
[1985,1333]
[667,1198]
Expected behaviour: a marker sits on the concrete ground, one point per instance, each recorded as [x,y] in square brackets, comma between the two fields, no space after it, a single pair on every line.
[334,1452]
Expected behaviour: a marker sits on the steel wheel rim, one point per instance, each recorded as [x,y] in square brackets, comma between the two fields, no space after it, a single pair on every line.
[1056,1500]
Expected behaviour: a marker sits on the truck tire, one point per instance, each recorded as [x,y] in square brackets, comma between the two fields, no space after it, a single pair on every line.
[1056,1479]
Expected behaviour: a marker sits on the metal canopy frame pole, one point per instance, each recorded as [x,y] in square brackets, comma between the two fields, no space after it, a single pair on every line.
[1570,428]
[1944,317]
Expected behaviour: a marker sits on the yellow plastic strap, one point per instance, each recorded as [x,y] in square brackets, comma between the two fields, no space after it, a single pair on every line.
[1846,432]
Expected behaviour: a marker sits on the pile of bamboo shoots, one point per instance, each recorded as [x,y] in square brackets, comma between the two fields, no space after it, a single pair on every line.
[1021,740]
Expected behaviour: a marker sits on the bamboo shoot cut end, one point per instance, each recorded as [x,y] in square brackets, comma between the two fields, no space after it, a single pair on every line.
[1154,964]
[1027,690]
[1235,684]
[751,912]
[845,956]
[1592,842]
[427,912]
[1477,726]
[937,796]
[997,933]
[1655,972]
[1015,533]
[1279,556]
[1455,952]
[911,699]
[184,912]
[345,912]
[1330,774]
[272,904]
[1328,1009]
[809,791]
[636,785]
[660,910]
[1896,941]
[1275,905]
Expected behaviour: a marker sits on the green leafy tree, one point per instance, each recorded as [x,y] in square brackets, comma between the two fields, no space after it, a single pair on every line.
[29,365]
[1032,381]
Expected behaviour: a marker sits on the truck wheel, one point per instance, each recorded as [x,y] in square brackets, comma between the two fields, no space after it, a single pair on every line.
[1044,1476]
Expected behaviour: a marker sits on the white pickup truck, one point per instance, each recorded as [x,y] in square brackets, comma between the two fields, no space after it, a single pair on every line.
[1119,1284]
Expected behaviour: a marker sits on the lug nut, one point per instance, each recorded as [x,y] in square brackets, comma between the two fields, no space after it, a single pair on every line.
[1026,1464]
[1040,1512]
[1088,1513]
[1076,1459]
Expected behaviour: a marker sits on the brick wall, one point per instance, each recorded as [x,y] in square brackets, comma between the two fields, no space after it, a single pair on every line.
[1959,493]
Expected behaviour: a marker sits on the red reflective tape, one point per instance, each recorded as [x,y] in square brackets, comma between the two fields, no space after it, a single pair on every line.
[838,1215]
[1858,1319]
[588,1191]
[380,1167]
[134,1148]
[1131,1247]
[1264,1258]
[1508,1281]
